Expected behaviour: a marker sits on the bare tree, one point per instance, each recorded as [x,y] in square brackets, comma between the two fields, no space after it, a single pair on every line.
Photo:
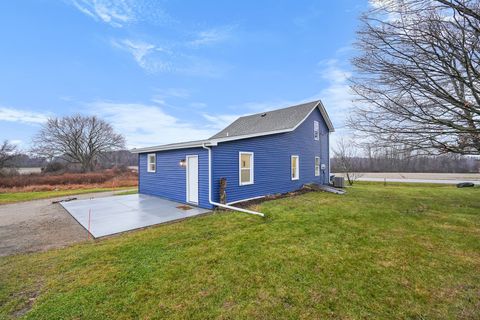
[346,159]
[418,75]
[8,151]
[77,139]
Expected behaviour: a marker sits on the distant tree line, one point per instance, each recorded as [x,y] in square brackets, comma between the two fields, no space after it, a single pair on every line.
[111,159]
[368,158]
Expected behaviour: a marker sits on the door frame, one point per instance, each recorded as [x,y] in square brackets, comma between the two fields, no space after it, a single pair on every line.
[187,179]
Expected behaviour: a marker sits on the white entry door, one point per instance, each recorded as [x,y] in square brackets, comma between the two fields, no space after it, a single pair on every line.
[192,179]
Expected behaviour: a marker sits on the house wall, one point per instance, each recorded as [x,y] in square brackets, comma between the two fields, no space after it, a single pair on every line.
[169,180]
[272,156]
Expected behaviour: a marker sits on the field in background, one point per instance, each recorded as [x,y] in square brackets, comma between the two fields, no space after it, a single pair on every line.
[68,181]
[29,170]
[401,251]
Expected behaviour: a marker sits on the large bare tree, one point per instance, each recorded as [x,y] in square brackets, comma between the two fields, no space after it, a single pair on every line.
[418,75]
[8,151]
[77,139]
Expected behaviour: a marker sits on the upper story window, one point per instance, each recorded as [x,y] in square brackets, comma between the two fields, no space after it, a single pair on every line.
[295,164]
[316,130]
[245,168]
[151,162]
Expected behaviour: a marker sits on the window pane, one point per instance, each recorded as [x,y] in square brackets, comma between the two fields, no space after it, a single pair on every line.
[245,160]
[294,167]
[245,175]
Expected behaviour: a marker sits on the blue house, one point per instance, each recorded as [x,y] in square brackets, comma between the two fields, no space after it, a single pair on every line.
[261,154]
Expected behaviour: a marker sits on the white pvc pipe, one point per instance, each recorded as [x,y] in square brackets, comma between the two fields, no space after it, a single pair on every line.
[210,190]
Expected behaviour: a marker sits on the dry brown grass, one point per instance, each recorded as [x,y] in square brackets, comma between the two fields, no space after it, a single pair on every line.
[67,181]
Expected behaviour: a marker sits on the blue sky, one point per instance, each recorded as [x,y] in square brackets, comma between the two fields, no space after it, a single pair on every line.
[169,71]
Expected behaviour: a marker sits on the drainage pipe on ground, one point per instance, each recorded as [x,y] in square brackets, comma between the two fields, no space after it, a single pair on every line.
[225,206]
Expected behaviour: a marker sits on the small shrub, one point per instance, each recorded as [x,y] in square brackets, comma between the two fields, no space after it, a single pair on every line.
[54,167]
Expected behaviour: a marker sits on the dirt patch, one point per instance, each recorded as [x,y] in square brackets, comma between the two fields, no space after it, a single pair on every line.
[39,225]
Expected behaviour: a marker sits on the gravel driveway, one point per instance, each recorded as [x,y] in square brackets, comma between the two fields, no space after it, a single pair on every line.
[39,225]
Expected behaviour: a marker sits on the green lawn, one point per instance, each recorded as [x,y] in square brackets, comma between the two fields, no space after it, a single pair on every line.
[394,252]
[11,197]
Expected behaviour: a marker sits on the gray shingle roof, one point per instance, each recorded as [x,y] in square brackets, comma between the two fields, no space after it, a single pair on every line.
[263,123]
[275,120]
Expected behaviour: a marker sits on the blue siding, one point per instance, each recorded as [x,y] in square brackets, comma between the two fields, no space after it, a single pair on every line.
[272,173]
[169,180]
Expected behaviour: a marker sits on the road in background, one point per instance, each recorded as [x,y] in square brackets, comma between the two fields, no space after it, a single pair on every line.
[443,178]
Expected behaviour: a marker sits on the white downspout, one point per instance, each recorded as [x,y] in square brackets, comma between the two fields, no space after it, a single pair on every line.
[210,189]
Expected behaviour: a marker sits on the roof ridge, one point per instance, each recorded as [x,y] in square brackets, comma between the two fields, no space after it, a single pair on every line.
[280,109]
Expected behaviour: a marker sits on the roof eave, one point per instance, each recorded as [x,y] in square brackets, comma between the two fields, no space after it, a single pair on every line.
[173,147]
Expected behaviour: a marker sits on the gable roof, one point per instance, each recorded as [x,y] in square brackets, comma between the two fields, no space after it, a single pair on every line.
[259,124]
[272,121]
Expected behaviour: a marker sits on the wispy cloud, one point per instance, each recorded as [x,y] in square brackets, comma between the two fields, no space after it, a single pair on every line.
[121,13]
[220,121]
[212,36]
[336,95]
[156,59]
[148,56]
[114,12]
[148,124]
[179,56]
[22,116]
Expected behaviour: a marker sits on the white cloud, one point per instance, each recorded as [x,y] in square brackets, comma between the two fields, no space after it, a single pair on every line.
[156,59]
[198,105]
[173,93]
[148,56]
[22,116]
[16,142]
[114,12]
[336,95]
[212,36]
[148,124]
[219,122]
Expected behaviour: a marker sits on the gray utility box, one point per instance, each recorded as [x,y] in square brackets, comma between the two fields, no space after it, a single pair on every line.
[339,182]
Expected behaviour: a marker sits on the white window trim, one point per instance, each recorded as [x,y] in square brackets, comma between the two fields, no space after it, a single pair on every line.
[297,172]
[317,138]
[317,173]
[240,169]
[149,163]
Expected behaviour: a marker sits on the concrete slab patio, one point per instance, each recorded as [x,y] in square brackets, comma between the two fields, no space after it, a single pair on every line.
[116,214]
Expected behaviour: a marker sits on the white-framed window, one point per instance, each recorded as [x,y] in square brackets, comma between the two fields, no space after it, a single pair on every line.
[151,162]
[295,164]
[317,166]
[316,130]
[245,168]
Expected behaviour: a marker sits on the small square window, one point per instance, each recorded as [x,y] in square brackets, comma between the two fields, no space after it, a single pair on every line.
[151,162]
